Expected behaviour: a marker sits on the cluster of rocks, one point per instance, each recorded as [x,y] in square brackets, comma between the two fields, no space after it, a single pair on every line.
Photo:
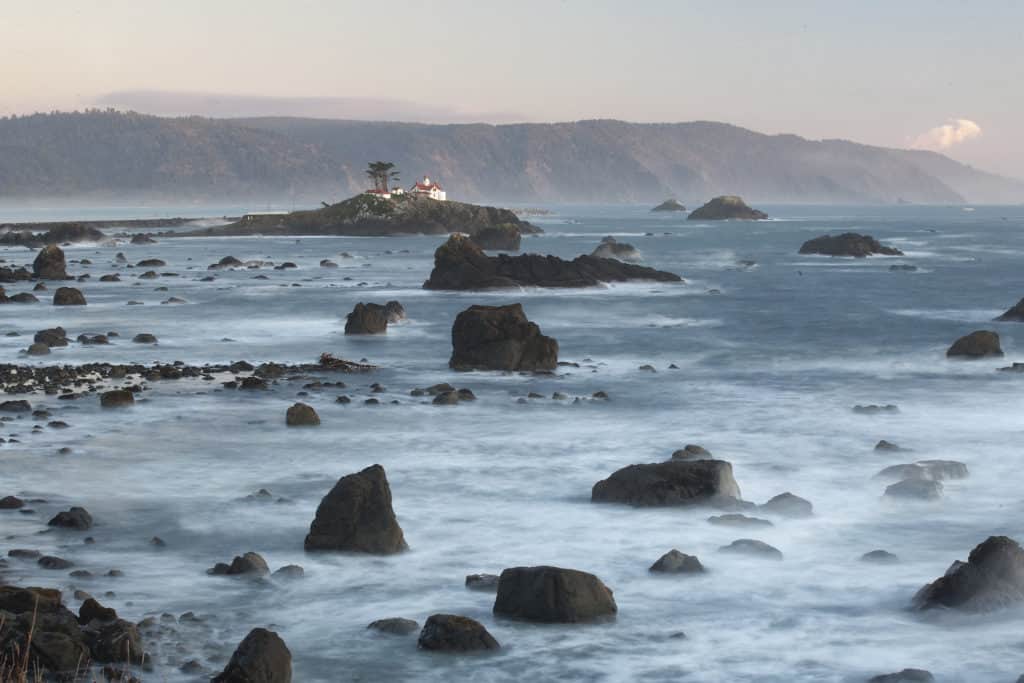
[445,394]
[251,565]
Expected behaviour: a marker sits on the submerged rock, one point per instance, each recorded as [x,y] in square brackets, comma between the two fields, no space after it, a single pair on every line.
[395,626]
[488,583]
[553,595]
[735,519]
[915,489]
[879,557]
[726,207]
[848,244]
[453,633]
[752,548]
[676,482]
[977,344]
[675,562]
[992,578]
[262,657]
[357,516]
[500,338]
[788,505]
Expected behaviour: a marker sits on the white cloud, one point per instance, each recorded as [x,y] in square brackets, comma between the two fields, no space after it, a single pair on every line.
[945,136]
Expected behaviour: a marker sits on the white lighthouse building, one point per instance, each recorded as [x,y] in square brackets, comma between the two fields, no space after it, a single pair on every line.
[428,188]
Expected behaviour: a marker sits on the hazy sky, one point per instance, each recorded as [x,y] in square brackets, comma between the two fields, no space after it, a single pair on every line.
[945,75]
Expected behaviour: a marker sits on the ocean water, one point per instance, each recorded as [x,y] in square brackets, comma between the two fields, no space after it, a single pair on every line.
[771,360]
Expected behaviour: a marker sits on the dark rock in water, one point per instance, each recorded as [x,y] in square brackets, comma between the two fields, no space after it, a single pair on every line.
[727,207]
[367,319]
[50,264]
[37,349]
[788,505]
[16,406]
[289,572]
[977,344]
[19,298]
[92,339]
[1014,315]
[552,595]
[301,415]
[903,471]
[51,562]
[55,336]
[670,205]
[879,557]
[902,268]
[992,578]
[262,657]
[11,503]
[915,489]
[117,398]
[676,482]
[884,445]
[453,633]
[144,338]
[752,548]
[395,311]
[500,338]
[905,676]
[249,564]
[141,238]
[91,609]
[875,409]
[487,583]
[151,263]
[77,518]
[675,562]
[848,244]
[735,519]
[68,296]
[357,516]
[937,470]
[226,262]
[459,264]
[610,248]
[395,626]
[504,237]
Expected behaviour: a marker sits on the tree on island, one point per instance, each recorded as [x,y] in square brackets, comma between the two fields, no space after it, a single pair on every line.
[382,173]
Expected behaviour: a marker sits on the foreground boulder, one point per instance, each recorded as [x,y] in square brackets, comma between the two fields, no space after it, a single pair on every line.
[848,244]
[459,264]
[500,338]
[262,657]
[670,205]
[453,633]
[68,296]
[676,482]
[498,238]
[50,264]
[977,344]
[367,319]
[552,595]
[1014,315]
[992,578]
[357,516]
[724,208]
[301,415]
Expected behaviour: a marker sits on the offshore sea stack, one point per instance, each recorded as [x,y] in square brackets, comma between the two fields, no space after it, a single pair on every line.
[552,595]
[459,264]
[992,577]
[848,244]
[670,205]
[500,338]
[50,264]
[672,483]
[726,208]
[357,516]
[1014,315]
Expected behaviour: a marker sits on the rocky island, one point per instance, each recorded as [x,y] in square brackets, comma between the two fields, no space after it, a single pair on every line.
[670,205]
[848,244]
[726,208]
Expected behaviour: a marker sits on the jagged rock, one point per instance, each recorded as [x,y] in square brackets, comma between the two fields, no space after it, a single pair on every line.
[453,633]
[68,296]
[367,319]
[500,338]
[117,398]
[50,264]
[992,578]
[977,344]
[788,505]
[1015,314]
[395,626]
[727,207]
[676,482]
[552,594]
[848,244]
[91,609]
[459,264]
[301,415]
[670,205]
[357,516]
[752,548]
[675,562]
[262,657]
[504,237]
[905,676]
[77,518]
[610,248]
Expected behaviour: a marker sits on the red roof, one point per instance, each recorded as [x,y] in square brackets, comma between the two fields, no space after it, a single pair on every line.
[427,188]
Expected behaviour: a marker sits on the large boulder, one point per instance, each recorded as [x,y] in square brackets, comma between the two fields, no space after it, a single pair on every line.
[50,264]
[1014,315]
[504,237]
[553,595]
[724,208]
[500,338]
[454,633]
[977,344]
[68,296]
[992,577]
[262,657]
[676,482]
[848,244]
[357,516]
[459,264]
[367,319]
[301,415]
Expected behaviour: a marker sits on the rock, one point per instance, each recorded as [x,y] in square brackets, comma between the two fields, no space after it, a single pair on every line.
[1014,315]
[453,633]
[301,415]
[459,264]
[676,482]
[670,205]
[55,336]
[250,564]
[93,339]
[915,489]
[226,262]
[51,562]
[50,264]
[879,557]
[752,548]
[20,298]
[395,311]
[937,470]
[504,237]
[735,519]
[902,268]
[151,263]
[117,398]
[144,338]
[691,452]
[500,338]
[992,578]
[367,319]
[289,572]
[16,406]
[553,595]
[262,657]
[68,296]
[788,505]
[728,207]
[327,263]
[875,409]
[11,503]
[848,244]
[977,344]
[37,349]
[140,238]
[487,583]
[357,516]
[395,626]
[884,445]
[675,562]
[610,248]
[77,518]
[905,676]
[91,609]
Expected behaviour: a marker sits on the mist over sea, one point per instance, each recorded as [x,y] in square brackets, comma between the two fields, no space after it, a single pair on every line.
[772,352]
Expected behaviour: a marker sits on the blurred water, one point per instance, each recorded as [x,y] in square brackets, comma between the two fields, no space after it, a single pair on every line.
[771,359]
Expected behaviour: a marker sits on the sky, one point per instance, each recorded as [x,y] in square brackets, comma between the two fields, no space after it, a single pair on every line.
[945,75]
